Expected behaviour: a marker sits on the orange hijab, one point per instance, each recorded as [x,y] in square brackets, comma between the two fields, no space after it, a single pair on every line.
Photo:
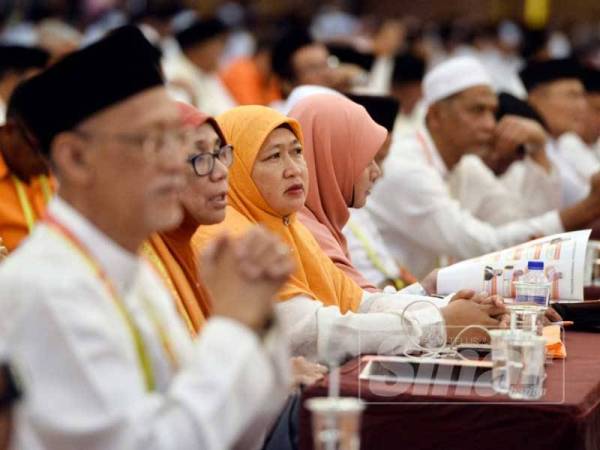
[341,140]
[247,128]
[174,248]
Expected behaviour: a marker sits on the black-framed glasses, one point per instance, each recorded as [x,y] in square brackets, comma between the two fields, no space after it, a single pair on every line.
[204,163]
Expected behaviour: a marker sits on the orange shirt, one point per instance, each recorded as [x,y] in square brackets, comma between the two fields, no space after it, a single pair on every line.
[19,212]
[247,85]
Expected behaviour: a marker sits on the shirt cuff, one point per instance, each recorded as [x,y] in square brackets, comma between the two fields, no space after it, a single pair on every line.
[228,335]
[429,325]
[414,289]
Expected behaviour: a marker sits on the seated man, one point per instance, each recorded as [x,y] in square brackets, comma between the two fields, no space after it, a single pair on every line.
[556,92]
[530,184]
[412,205]
[202,44]
[123,373]
[591,79]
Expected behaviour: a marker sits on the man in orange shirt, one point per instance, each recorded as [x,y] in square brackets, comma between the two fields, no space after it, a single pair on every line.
[25,184]
[250,80]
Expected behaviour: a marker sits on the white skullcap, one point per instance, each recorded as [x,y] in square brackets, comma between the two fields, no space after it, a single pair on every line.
[301,92]
[453,76]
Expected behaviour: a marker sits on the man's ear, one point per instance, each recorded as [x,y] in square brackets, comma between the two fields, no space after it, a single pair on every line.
[72,158]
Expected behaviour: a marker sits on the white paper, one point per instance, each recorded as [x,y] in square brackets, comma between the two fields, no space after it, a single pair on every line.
[563,256]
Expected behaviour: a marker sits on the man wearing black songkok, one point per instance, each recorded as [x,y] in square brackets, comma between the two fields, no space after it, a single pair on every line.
[104,360]
[299,60]
[556,92]
[591,80]
[202,44]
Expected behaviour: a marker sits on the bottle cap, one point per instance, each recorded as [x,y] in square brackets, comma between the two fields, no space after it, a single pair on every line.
[535,265]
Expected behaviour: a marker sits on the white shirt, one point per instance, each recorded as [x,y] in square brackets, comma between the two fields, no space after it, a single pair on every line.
[317,331]
[525,190]
[210,95]
[84,388]
[420,221]
[574,185]
[361,228]
[578,155]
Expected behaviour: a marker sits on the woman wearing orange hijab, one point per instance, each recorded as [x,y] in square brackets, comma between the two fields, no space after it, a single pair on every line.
[204,203]
[321,307]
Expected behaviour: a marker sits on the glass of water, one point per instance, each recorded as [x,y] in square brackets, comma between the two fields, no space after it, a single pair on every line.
[530,320]
[498,340]
[336,422]
[526,355]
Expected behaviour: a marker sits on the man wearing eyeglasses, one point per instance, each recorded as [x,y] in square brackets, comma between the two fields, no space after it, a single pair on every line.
[555,90]
[93,334]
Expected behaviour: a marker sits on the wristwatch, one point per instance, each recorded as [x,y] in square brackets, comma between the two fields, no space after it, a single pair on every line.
[9,389]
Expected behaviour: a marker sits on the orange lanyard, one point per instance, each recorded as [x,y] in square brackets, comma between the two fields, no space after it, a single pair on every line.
[426,149]
[142,352]
[157,264]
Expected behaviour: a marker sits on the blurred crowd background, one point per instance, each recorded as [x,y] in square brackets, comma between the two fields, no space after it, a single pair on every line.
[375,47]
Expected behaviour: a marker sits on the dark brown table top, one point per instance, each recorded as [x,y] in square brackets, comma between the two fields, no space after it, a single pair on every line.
[423,417]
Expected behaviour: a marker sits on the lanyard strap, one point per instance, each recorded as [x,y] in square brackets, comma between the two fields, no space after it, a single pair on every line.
[425,148]
[142,353]
[156,262]
[372,255]
[26,207]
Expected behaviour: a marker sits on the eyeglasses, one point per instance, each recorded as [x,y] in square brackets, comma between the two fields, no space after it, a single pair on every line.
[153,144]
[204,163]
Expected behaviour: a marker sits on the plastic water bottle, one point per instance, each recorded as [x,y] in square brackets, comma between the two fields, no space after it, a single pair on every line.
[533,289]
[531,300]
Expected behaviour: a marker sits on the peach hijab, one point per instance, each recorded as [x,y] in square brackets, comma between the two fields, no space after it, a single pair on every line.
[247,128]
[340,140]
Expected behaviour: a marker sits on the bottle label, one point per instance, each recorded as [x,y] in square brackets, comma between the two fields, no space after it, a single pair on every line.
[538,300]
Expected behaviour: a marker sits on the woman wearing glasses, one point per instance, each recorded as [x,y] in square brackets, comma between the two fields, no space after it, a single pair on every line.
[204,199]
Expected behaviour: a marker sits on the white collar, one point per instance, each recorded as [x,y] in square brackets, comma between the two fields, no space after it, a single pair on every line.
[120,265]
[430,152]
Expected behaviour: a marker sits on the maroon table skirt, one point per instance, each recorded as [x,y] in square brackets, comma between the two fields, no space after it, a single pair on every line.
[438,417]
[591,292]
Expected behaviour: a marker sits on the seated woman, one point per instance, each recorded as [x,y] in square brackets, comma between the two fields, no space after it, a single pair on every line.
[321,307]
[341,146]
[204,202]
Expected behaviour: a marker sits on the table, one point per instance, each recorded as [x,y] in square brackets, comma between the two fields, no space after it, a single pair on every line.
[591,292]
[567,417]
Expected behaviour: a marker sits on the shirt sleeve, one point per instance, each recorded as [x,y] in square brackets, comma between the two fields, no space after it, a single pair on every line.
[538,190]
[426,214]
[321,332]
[84,387]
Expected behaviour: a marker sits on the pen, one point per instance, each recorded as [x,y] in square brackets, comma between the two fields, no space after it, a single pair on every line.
[564,323]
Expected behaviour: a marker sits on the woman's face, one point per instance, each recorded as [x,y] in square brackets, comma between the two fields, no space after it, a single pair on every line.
[364,184]
[205,197]
[368,177]
[280,172]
